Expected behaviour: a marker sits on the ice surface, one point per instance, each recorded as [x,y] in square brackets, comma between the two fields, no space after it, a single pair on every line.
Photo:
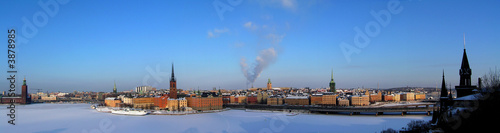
[79,118]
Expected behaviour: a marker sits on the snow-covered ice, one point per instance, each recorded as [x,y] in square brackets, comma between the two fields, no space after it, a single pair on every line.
[79,118]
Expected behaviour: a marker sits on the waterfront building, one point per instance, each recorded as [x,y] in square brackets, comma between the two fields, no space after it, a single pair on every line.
[112,102]
[143,102]
[205,102]
[420,96]
[316,99]
[376,97]
[225,99]
[241,99]
[50,98]
[343,102]
[252,99]
[408,96]
[161,101]
[232,99]
[182,103]
[397,97]
[24,98]
[329,99]
[297,100]
[388,98]
[128,101]
[173,104]
[357,100]
[275,100]
[173,85]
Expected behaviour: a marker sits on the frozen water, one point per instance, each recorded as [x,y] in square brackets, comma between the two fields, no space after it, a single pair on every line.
[79,118]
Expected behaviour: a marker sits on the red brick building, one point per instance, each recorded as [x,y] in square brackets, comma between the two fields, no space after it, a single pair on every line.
[161,101]
[201,102]
[252,99]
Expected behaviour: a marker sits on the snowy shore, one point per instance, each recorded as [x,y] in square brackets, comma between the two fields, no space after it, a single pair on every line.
[79,118]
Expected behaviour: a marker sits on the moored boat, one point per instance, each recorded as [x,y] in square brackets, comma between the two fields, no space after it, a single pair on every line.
[103,109]
[128,111]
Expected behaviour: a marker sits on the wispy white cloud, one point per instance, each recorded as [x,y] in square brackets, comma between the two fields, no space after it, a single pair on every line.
[216,32]
[250,25]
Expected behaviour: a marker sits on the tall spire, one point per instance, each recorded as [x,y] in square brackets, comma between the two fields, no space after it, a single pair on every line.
[332,84]
[114,88]
[444,91]
[465,71]
[332,74]
[173,77]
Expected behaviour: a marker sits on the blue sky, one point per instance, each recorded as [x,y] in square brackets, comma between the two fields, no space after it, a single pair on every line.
[87,45]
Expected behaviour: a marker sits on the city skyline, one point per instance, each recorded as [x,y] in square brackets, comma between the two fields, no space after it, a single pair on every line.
[86,46]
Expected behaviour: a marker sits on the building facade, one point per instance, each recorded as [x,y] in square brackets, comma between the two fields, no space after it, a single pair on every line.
[363,100]
[205,103]
[297,100]
[275,100]
[329,99]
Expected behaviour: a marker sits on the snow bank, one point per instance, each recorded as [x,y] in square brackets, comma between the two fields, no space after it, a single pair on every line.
[79,118]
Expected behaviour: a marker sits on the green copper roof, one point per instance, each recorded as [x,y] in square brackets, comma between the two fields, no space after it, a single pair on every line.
[269,81]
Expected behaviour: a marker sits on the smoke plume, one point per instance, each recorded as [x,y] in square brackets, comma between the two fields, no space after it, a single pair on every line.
[263,60]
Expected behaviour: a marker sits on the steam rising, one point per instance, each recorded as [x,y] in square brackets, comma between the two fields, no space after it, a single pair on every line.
[263,60]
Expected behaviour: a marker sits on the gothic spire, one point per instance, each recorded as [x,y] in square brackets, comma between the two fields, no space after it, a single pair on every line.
[173,77]
[332,74]
[444,91]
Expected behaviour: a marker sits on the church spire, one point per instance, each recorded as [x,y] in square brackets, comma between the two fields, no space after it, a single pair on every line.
[332,84]
[444,91]
[332,74]
[173,77]
[114,88]
[465,71]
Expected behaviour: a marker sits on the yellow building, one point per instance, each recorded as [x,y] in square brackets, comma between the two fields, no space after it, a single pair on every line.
[343,102]
[127,101]
[316,99]
[275,100]
[397,97]
[408,96]
[329,99]
[241,99]
[143,102]
[173,104]
[297,100]
[360,100]
[182,103]
[420,96]
[112,102]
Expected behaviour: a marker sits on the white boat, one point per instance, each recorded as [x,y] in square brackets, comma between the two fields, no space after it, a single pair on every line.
[92,106]
[103,109]
[128,111]
[292,114]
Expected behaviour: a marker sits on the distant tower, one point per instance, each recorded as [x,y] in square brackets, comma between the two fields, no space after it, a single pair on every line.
[465,88]
[269,84]
[444,95]
[114,88]
[24,95]
[332,84]
[173,87]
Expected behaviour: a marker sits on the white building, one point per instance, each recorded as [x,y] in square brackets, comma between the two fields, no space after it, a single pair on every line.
[143,89]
